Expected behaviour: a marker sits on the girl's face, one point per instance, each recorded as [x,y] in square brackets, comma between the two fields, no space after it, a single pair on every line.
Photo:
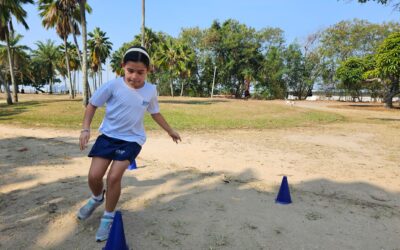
[135,74]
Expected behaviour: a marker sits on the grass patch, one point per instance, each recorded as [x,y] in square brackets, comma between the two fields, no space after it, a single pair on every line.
[181,113]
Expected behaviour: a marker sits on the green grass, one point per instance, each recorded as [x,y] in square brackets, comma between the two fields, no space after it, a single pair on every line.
[181,113]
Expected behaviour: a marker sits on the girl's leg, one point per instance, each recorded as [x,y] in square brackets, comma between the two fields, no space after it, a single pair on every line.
[114,183]
[97,170]
[95,178]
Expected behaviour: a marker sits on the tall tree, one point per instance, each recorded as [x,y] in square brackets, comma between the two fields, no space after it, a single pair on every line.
[235,49]
[19,58]
[351,74]
[100,49]
[301,70]
[167,58]
[48,55]
[388,67]
[143,22]
[74,63]
[8,10]
[76,11]
[355,38]
[269,79]
[201,65]
[294,70]
[85,83]
[56,14]
[270,84]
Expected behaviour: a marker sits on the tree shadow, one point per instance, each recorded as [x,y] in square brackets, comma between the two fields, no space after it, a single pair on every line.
[385,119]
[366,106]
[192,102]
[190,209]
[25,151]
[24,106]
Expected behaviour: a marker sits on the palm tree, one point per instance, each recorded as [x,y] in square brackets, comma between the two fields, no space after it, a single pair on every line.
[100,49]
[19,57]
[8,10]
[74,63]
[3,77]
[48,55]
[176,58]
[167,57]
[143,22]
[115,62]
[5,83]
[82,5]
[185,64]
[76,11]
[57,13]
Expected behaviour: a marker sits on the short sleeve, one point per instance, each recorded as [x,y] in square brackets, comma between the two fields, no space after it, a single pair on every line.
[153,107]
[102,95]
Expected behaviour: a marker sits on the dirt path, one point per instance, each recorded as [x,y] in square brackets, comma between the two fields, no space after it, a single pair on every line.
[215,190]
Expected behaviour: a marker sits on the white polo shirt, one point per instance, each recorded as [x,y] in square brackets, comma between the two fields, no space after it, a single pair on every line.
[125,109]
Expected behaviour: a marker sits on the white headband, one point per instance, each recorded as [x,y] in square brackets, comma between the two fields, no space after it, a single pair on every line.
[137,50]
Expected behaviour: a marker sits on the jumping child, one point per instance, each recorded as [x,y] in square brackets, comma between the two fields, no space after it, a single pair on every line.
[122,133]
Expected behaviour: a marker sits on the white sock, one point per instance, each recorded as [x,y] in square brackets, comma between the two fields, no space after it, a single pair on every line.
[98,198]
[110,214]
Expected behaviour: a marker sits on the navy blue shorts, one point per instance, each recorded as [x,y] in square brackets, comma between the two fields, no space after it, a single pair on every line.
[115,149]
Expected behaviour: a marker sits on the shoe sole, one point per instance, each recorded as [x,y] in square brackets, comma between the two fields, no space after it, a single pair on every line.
[101,240]
[81,218]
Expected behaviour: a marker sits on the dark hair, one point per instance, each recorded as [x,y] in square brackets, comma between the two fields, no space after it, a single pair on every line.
[137,54]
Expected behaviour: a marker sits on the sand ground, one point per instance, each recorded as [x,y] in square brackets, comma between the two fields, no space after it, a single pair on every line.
[215,190]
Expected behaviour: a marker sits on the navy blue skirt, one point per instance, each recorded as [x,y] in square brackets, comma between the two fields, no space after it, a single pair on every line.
[115,149]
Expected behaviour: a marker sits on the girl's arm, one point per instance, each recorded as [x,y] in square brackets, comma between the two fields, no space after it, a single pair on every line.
[87,120]
[159,119]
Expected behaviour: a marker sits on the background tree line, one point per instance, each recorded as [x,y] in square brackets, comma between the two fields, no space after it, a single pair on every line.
[351,57]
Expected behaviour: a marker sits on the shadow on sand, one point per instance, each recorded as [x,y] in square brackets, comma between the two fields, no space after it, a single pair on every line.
[205,210]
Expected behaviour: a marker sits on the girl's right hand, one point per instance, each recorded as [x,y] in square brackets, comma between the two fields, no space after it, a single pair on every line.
[84,138]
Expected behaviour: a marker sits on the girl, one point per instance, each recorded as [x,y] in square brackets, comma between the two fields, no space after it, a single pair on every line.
[122,133]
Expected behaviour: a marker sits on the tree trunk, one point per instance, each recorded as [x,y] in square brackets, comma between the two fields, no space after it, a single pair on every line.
[6,91]
[143,23]
[71,87]
[394,90]
[51,86]
[65,84]
[182,87]
[85,83]
[172,89]
[14,84]
[100,75]
[76,42]
[75,83]
[94,82]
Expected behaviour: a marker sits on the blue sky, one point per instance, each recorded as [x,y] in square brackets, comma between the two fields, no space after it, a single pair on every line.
[121,19]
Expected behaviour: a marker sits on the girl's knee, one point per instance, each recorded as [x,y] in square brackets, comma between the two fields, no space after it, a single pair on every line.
[96,177]
[113,179]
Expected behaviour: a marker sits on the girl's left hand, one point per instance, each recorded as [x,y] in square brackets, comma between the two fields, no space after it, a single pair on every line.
[84,139]
[175,136]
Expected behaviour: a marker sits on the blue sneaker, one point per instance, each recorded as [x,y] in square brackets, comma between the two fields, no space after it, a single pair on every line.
[88,209]
[104,228]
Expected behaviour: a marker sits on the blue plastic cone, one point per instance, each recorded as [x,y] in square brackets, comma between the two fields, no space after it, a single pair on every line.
[116,238]
[133,165]
[284,193]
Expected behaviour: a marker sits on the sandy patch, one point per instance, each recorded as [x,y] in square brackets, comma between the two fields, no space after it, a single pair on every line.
[215,190]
